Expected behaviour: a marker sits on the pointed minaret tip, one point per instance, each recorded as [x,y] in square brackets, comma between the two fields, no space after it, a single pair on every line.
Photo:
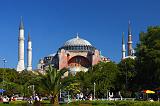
[129,22]
[29,37]
[77,36]
[129,27]
[123,38]
[21,26]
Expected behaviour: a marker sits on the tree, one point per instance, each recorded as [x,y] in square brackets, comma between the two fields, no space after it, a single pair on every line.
[8,79]
[125,82]
[148,59]
[71,84]
[50,81]
[24,80]
[104,75]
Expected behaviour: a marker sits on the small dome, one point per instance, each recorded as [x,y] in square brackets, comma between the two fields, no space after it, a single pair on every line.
[77,42]
[52,55]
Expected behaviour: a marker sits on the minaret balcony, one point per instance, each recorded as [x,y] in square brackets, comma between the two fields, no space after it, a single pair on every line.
[20,38]
[130,42]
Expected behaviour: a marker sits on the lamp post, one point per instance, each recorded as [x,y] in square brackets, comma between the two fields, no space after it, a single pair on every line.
[31,88]
[94,90]
[33,91]
[68,96]
[60,92]
[126,74]
[4,61]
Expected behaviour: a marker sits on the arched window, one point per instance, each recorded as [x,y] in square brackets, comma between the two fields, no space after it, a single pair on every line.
[81,47]
[78,47]
[87,47]
[69,47]
[84,47]
[75,47]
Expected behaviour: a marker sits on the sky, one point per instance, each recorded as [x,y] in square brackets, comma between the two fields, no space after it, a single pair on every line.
[52,22]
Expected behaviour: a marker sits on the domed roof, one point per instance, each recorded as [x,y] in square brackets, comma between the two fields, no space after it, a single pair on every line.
[77,42]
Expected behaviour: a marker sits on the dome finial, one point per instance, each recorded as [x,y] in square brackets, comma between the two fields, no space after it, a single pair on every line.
[77,36]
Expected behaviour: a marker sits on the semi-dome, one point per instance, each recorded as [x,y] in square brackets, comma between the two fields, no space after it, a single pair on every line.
[77,42]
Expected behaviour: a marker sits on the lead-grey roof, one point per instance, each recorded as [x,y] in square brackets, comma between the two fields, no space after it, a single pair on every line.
[77,42]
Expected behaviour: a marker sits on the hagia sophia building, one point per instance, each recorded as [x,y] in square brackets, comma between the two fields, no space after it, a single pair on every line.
[76,54]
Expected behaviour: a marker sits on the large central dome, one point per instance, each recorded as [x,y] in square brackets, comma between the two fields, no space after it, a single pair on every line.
[77,42]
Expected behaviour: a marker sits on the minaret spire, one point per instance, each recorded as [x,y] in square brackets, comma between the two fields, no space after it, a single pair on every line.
[129,27]
[21,26]
[123,38]
[123,47]
[29,54]
[29,37]
[20,65]
[129,39]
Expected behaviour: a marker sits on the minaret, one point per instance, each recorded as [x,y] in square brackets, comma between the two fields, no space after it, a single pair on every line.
[123,47]
[129,39]
[20,66]
[29,54]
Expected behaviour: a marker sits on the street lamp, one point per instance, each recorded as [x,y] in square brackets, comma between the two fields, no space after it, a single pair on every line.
[31,87]
[94,90]
[33,91]
[4,61]
[126,75]
[60,92]
[68,96]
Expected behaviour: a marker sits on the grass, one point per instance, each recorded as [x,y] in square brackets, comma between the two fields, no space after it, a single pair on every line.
[117,103]
[15,103]
[90,103]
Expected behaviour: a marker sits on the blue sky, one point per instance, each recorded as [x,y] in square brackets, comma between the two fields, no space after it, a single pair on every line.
[52,22]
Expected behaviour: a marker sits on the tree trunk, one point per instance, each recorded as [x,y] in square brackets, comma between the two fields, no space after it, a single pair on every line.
[54,100]
[37,103]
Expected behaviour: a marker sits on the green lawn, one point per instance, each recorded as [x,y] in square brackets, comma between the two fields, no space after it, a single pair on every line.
[91,103]
[15,103]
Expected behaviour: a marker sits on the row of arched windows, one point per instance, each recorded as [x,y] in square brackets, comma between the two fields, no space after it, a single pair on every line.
[85,48]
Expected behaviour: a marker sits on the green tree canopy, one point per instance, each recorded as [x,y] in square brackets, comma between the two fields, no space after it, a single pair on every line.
[127,74]
[148,59]
[103,74]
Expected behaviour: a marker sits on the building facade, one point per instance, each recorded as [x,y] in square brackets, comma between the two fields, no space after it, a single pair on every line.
[76,54]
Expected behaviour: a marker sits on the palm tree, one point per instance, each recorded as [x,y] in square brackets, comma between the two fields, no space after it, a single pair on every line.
[50,81]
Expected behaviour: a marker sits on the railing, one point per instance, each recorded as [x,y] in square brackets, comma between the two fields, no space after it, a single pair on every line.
[121,99]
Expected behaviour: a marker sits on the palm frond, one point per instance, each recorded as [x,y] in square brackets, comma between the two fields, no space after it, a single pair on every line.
[51,80]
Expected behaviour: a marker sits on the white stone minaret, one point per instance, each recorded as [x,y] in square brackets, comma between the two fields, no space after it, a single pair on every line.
[20,66]
[129,39]
[123,47]
[29,54]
